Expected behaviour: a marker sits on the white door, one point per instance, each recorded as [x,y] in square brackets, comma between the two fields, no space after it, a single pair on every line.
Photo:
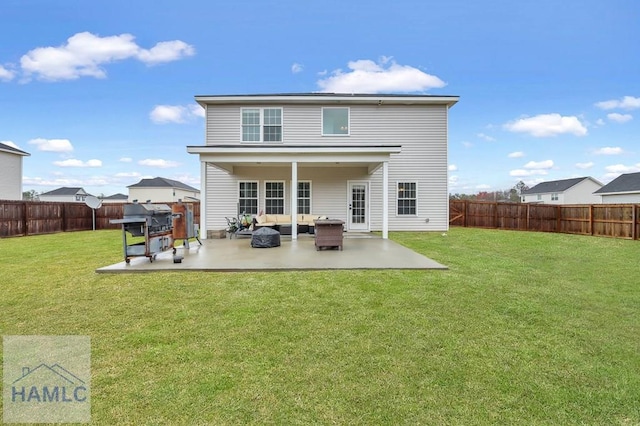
[358,206]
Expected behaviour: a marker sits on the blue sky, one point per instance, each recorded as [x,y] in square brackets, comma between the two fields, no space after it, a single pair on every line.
[100,93]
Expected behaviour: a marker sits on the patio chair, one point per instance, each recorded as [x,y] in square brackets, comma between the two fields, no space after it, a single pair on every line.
[240,225]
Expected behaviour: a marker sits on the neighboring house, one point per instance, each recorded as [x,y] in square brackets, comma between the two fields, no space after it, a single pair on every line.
[11,172]
[623,189]
[65,194]
[115,198]
[162,190]
[567,191]
[377,162]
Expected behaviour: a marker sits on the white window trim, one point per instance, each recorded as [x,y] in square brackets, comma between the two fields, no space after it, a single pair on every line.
[257,195]
[331,135]
[284,195]
[310,195]
[261,109]
[397,199]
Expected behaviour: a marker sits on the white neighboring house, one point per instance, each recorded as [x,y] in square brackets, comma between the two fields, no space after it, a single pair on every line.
[623,189]
[65,194]
[115,198]
[162,190]
[377,162]
[11,172]
[567,191]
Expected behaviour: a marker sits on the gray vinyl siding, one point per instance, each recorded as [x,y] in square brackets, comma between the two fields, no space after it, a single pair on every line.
[11,182]
[420,130]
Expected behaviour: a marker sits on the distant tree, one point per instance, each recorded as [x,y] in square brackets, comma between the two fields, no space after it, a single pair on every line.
[520,186]
[31,195]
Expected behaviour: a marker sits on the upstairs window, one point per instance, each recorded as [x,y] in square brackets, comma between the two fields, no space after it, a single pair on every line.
[262,125]
[554,197]
[335,121]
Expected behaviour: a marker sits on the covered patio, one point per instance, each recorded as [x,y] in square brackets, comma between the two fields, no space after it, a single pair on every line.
[361,251]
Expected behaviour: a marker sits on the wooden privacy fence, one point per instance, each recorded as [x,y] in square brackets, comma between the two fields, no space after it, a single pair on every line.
[19,218]
[607,220]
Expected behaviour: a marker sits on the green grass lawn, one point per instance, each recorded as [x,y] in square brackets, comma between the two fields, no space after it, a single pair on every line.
[524,328]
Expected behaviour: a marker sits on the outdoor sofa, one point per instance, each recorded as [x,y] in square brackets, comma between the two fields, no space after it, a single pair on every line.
[282,222]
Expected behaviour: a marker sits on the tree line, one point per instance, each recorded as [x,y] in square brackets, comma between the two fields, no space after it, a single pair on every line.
[512,195]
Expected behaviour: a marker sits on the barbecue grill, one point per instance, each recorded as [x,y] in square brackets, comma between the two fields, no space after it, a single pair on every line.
[154,222]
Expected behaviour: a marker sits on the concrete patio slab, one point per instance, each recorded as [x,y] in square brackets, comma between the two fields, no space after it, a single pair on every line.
[237,255]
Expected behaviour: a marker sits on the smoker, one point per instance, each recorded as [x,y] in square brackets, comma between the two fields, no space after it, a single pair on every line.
[154,222]
[184,227]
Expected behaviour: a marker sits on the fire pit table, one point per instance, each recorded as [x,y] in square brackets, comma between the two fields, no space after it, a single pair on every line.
[329,233]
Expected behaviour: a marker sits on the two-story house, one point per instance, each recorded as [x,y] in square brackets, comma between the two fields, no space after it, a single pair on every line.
[622,190]
[11,172]
[566,191]
[162,190]
[65,194]
[378,162]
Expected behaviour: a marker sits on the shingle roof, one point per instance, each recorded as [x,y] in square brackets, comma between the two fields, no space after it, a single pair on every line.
[629,182]
[160,182]
[116,197]
[555,186]
[12,150]
[63,191]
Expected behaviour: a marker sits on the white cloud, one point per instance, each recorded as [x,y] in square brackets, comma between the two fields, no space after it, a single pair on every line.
[525,173]
[165,51]
[161,114]
[619,118]
[627,102]
[467,144]
[585,166]
[486,137]
[483,186]
[453,180]
[85,54]
[196,110]
[52,145]
[517,154]
[51,182]
[546,164]
[157,162]
[367,76]
[296,68]
[125,160]
[6,74]
[545,125]
[600,122]
[72,162]
[609,150]
[452,167]
[621,168]
[128,174]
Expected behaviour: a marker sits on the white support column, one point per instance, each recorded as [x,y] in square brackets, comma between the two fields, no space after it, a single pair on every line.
[294,200]
[385,200]
[203,200]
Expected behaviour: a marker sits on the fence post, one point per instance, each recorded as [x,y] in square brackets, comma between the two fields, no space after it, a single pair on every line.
[634,216]
[466,213]
[25,219]
[64,217]
[495,215]
[558,217]
[590,219]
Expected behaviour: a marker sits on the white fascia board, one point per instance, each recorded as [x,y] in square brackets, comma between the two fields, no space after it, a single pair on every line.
[328,99]
[288,158]
[293,150]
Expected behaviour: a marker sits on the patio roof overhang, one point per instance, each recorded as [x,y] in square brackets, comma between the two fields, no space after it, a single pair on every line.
[227,157]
